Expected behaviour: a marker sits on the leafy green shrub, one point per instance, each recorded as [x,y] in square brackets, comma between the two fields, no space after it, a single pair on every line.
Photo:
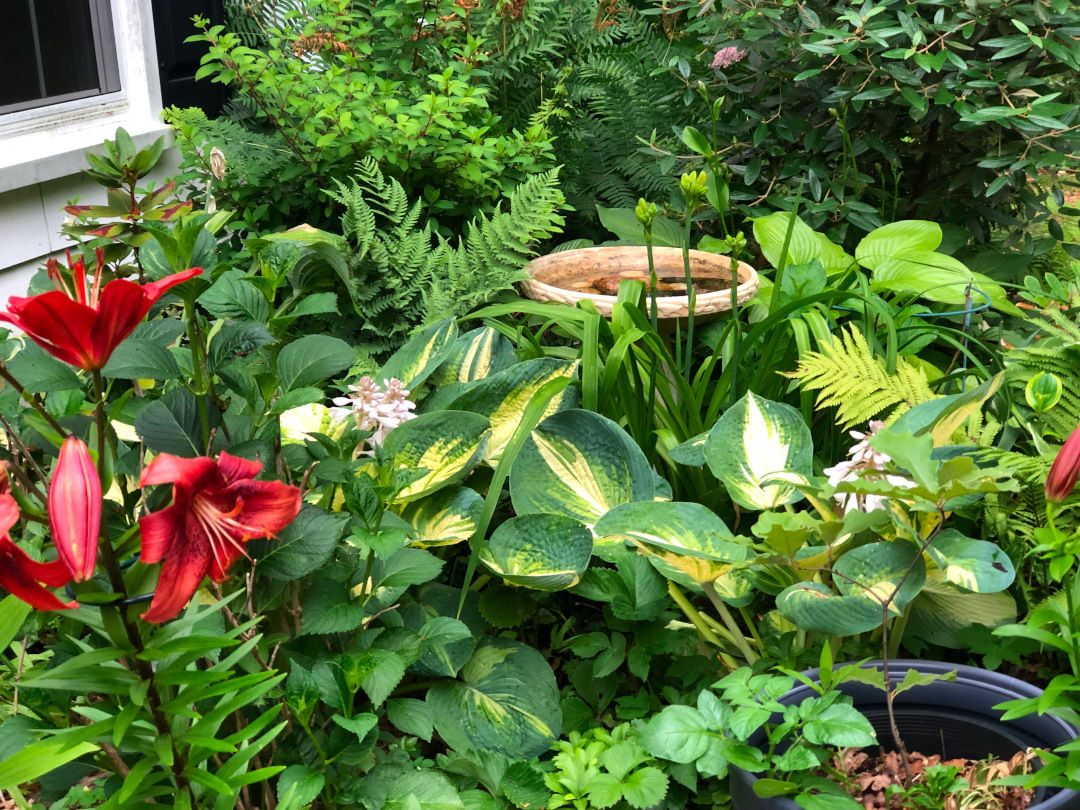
[942,110]
[347,81]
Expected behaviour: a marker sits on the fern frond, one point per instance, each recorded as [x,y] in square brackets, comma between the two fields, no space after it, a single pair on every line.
[850,377]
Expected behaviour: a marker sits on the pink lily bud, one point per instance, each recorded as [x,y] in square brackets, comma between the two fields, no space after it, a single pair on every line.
[1063,472]
[75,508]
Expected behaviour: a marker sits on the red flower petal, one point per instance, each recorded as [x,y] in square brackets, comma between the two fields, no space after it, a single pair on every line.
[75,508]
[59,325]
[183,472]
[269,506]
[21,576]
[235,469]
[158,531]
[183,570]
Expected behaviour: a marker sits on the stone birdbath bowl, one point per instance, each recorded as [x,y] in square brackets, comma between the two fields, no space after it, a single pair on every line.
[593,274]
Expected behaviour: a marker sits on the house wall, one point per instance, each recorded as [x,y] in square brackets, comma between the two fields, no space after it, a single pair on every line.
[42,151]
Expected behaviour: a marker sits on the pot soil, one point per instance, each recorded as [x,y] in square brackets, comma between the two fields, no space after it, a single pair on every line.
[593,274]
[952,720]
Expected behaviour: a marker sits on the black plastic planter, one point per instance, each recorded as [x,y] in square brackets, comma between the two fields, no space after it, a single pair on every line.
[955,719]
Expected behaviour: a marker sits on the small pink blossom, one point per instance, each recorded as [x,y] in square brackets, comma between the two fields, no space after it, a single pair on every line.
[376,408]
[863,462]
[726,57]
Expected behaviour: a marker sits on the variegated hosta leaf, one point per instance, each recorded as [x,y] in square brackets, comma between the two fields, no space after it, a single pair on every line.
[974,565]
[690,453]
[502,398]
[755,439]
[443,518]
[581,465]
[942,612]
[448,444]
[418,358]
[475,355]
[543,552]
[865,577]
[297,424]
[507,701]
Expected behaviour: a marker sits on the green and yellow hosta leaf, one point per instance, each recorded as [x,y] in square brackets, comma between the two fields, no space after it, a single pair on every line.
[543,552]
[418,358]
[805,244]
[682,529]
[297,424]
[755,439]
[502,397]
[443,518]
[475,355]
[448,444]
[506,702]
[581,465]
[814,606]
[942,612]
[974,565]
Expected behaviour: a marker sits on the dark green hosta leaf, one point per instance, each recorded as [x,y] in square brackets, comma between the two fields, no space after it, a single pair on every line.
[418,358]
[447,444]
[502,397]
[813,606]
[507,701]
[312,359]
[443,518]
[40,372]
[141,360]
[233,297]
[753,441]
[543,552]
[302,546]
[581,465]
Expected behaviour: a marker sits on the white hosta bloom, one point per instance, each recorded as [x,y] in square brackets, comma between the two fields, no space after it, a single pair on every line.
[862,462]
[376,408]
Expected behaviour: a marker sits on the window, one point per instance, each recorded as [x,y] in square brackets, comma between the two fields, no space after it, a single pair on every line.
[56,50]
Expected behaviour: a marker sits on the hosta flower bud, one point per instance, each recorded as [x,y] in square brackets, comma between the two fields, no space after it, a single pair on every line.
[645,212]
[75,508]
[1043,392]
[1063,472]
[693,185]
[217,163]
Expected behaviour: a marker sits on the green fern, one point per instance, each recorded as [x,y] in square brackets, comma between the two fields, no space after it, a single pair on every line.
[403,274]
[846,374]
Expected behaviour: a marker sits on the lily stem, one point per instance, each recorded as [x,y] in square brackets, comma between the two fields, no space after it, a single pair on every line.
[197,371]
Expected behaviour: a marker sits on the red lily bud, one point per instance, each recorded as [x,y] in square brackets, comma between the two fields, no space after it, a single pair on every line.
[75,508]
[1063,472]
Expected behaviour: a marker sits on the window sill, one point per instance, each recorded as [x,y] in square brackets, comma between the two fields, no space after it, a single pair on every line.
[33,157]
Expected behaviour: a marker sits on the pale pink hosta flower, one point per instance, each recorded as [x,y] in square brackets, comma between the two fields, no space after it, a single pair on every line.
[726,57]
[376,408]
[862,462]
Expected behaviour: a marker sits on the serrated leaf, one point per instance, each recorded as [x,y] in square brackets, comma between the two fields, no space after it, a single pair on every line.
[411,716]
[136,359]
[312,359]
[230,296]
[302,546]
[327,609]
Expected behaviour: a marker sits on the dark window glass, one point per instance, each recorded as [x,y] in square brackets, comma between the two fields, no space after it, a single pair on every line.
[56,50]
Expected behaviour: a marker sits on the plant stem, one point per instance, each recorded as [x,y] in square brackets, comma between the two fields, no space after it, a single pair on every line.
[729,621]
[32,400]
[653,317]
[691,298]
[197,370]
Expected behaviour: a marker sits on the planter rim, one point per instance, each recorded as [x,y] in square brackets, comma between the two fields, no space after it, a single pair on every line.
[613,259]
[1003,686]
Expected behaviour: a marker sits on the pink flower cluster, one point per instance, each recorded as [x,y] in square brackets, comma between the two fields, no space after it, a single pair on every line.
[726,57]
[374,408]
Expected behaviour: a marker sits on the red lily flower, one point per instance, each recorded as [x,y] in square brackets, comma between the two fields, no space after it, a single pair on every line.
[83,326]
[217,507]
[75,508]
[1061,480]
[22,576]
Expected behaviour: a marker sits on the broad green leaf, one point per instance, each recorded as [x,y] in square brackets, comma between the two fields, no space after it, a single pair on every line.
[442,658]
[418,358]
[685,535]
[236,339]
[448,444]
[141,360]
[359,724]
[13,612]
[411,716]
[645,787]
[328,609]
[41,373]
[172,424]
[506,702]
[302,546]
[306,782]
[975,565]
[475,355]
[312,359]
[502,398]
[813,606]
[842,726]
[678,733]
[691,452]
[826,801]
[581,465]
[394,787]
[874,572]
[623,222]
[755,439]
[230,296]
[543,552]
[443,518]
[805,245]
